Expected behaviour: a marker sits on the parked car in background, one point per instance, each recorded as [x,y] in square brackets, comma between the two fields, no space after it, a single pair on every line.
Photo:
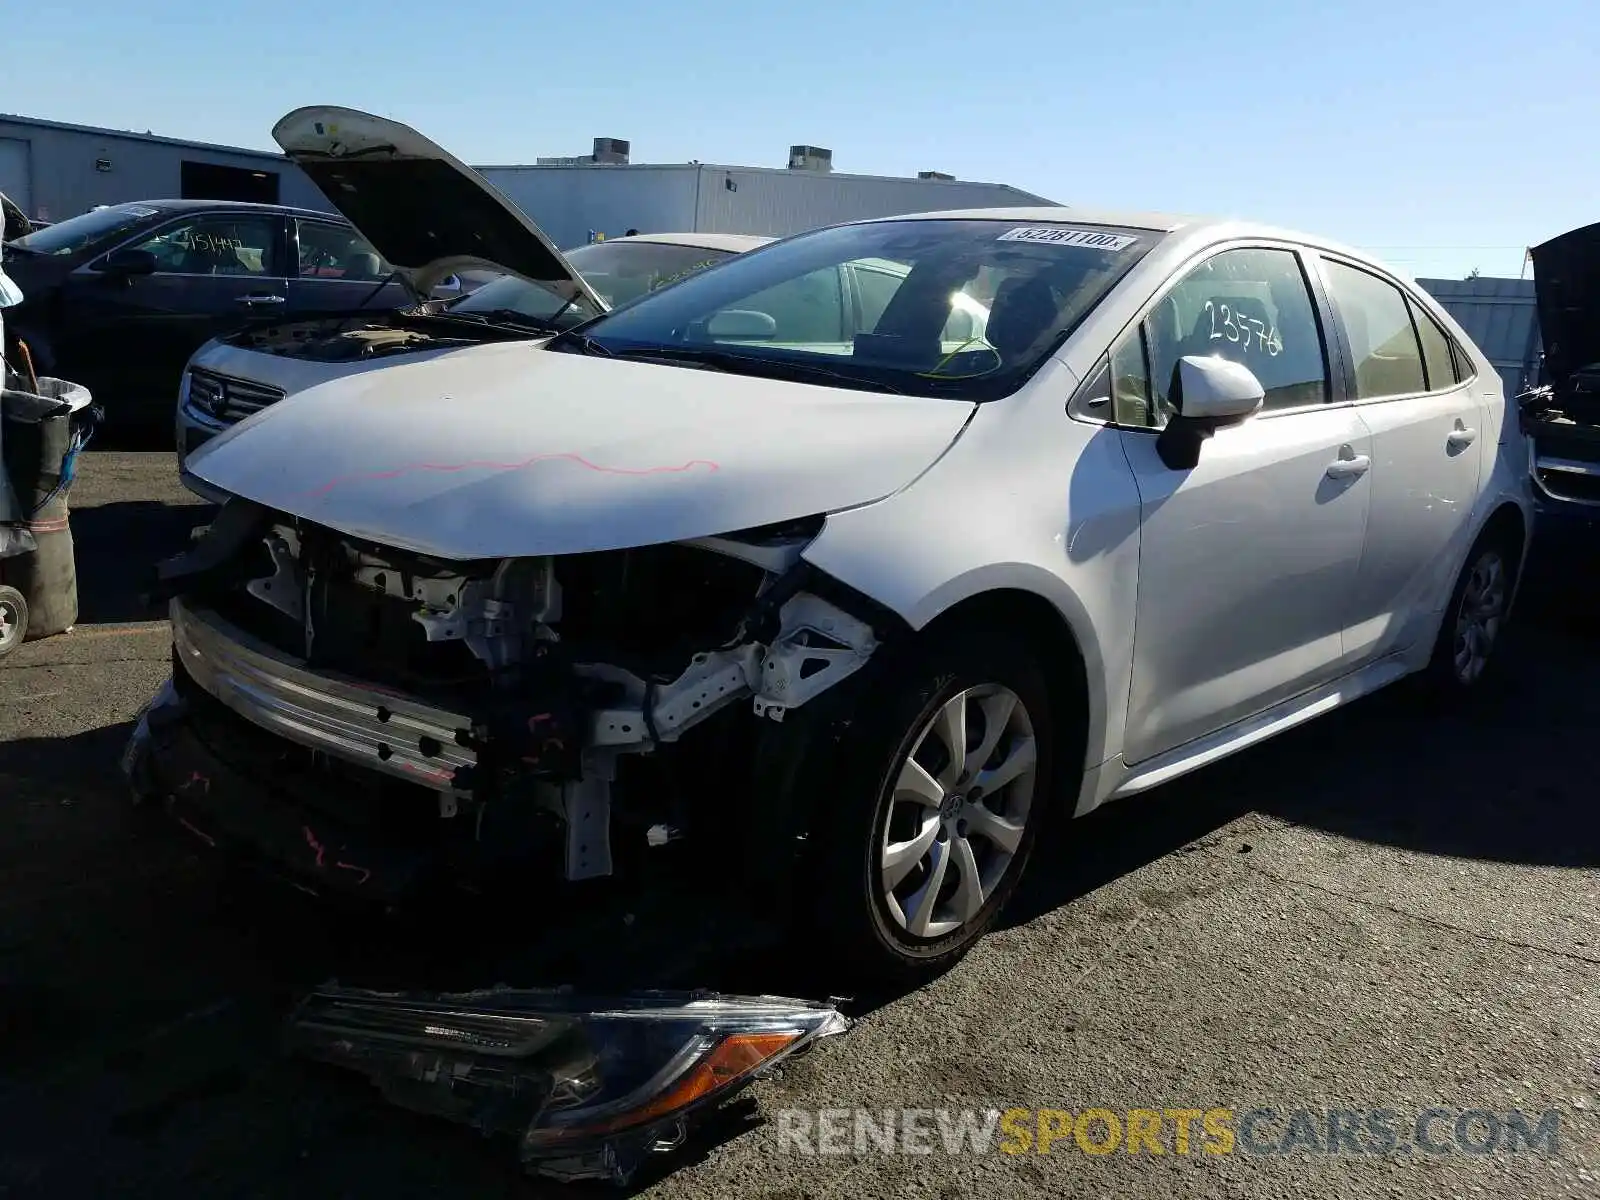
[119,298]
[1562,414]
[237,375]
[453,228]
[854,609]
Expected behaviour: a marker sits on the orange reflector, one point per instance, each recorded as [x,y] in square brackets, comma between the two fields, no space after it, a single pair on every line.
[727,1061]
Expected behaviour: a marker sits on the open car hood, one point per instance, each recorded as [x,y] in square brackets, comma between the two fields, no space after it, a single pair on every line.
[1566,280]
[426,212]
[508,450]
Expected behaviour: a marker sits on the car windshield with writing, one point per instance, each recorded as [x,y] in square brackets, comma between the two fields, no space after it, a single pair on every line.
[617,271]
[79,233]
[966,308]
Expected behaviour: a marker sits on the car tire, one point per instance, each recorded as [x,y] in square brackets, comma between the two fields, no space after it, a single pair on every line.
[879,839]
[13,619]
[1474,620]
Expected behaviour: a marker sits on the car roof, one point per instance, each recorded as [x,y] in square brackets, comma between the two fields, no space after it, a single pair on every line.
[1200,228]
[168,206]
[738,243]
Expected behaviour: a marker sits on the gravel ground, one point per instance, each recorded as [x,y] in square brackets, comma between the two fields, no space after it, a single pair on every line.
[1391,909]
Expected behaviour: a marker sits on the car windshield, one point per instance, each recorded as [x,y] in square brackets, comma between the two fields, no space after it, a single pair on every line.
[967,308]
[78,233]
[617,271]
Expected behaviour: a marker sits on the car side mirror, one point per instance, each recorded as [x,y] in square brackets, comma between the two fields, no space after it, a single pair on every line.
[447,288]
[742,324]
[1206,395]
[126,263]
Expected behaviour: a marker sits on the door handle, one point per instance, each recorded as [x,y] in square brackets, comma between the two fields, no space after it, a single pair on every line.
[1349,468]
[1460,438]
[252,301]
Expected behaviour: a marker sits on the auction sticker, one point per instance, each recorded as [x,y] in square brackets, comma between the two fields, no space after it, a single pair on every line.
[1056,235]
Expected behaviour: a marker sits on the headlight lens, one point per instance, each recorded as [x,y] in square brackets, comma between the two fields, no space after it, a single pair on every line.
[590,1085]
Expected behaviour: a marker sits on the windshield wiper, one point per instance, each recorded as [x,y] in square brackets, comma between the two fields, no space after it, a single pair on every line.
[511,316]
[485,319]
[751,364]
[582,342]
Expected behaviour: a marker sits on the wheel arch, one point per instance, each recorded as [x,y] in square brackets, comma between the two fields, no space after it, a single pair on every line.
[1070,654]
[1510,521]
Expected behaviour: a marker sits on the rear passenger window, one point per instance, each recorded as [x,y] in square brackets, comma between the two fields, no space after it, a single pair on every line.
[1383,342]
[1251,307]
[1435,350]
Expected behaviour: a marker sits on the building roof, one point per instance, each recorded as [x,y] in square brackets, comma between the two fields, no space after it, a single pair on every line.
[786,172]
[101,131]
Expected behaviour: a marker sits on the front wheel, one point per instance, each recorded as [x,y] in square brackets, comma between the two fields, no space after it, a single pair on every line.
[934,804]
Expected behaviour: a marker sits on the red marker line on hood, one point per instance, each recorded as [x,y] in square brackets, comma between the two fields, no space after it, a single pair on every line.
[515,466]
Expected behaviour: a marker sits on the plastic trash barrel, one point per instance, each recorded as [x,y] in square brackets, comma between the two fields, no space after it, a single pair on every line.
[44,428]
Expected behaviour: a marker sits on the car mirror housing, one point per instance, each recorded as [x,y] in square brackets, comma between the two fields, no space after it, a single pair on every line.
[127,263]
[737,324]
[1206,394]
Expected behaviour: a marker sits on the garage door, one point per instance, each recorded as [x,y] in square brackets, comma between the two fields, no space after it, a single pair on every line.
[15,180]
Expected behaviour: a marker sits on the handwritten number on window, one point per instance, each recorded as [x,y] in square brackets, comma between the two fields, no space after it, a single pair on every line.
[1240,330]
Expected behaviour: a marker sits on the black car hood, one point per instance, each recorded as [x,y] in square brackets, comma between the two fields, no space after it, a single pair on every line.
[422,209]
[1566,280]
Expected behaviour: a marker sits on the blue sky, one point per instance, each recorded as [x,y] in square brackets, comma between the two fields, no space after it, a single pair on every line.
[1442,136]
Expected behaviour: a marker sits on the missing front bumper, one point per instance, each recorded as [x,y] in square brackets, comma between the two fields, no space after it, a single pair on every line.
[327,828]
[382,731]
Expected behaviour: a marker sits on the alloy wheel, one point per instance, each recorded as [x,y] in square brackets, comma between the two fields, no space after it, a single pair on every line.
[958,811]
[10,625]
[1480,615]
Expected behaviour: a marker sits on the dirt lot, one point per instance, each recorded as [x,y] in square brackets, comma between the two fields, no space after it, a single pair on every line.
[1391,909]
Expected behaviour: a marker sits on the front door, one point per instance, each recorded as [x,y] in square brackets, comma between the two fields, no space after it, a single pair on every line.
[214,271]
[1428,431]
[1247,562]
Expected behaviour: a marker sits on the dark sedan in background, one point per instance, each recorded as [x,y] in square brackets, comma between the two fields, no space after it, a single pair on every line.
[119,298]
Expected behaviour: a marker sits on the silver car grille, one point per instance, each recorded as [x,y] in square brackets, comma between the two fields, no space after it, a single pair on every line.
[228,399]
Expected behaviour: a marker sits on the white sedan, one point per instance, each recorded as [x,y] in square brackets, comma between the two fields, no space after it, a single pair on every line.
[856,602]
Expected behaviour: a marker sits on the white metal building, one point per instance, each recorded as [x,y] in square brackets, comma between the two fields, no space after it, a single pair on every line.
[602,194]
[54,171]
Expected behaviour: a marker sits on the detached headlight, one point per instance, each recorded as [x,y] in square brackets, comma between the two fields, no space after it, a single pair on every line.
[589,1085]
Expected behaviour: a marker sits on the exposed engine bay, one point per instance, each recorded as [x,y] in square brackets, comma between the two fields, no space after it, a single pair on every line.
[554,699]
[1562,417]
[370,336]
[1563,424]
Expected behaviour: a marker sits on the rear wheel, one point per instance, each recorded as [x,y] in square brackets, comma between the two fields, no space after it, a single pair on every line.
[1475,618]
[934,805]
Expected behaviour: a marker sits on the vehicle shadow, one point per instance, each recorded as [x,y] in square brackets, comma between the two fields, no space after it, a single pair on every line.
[116,545]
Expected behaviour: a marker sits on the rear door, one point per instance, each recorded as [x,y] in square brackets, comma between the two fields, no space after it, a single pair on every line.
[214,271]
[337,270]
[1429,428]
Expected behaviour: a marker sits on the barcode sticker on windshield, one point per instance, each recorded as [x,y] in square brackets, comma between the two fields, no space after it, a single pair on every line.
[1056,235]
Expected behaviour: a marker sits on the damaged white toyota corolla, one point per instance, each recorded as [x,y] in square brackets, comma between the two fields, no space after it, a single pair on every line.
[827,582]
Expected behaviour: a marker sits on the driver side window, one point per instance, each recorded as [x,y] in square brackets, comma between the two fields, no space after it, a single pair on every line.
[216,245]
[1249,306]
